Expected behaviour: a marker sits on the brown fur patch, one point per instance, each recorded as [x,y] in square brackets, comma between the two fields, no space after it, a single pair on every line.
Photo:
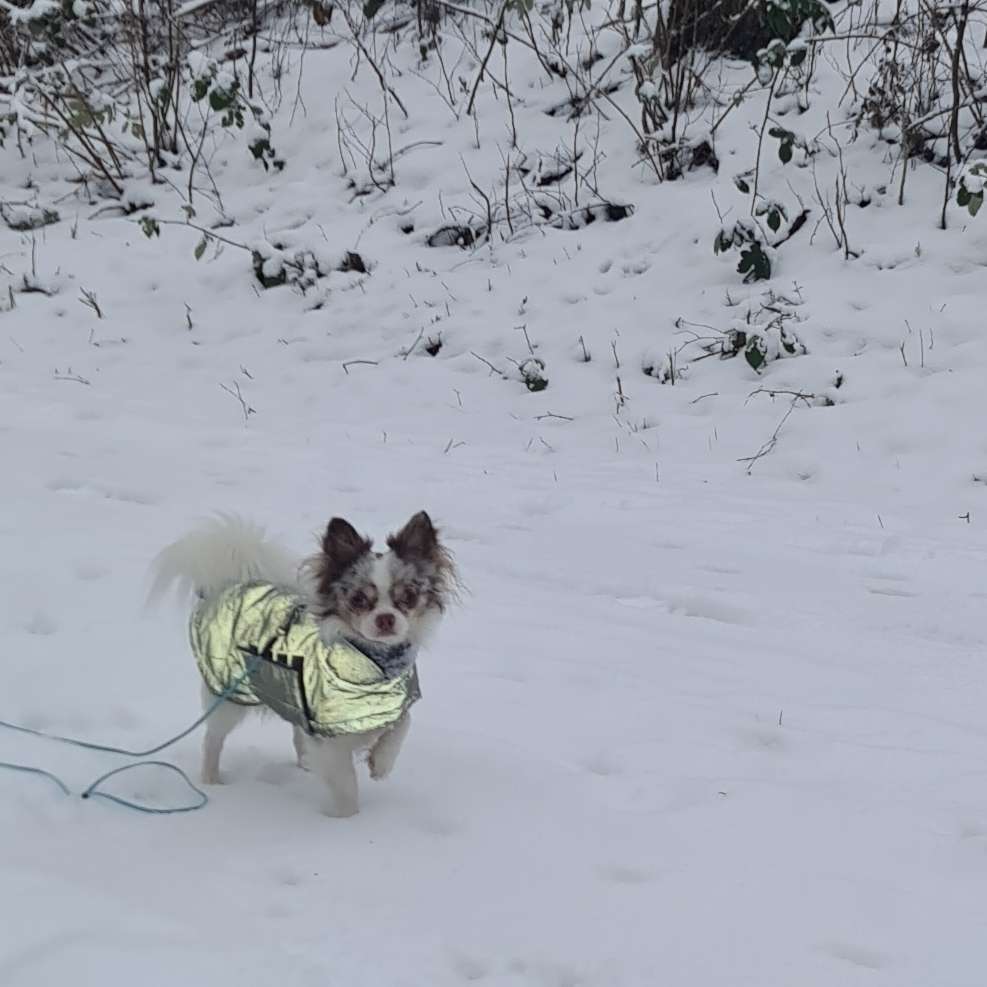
[417,544]
[342,548]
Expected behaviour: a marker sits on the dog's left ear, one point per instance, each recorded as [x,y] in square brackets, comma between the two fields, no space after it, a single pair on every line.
[418,539]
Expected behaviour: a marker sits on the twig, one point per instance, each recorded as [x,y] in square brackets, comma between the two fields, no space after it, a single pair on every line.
[201,229]
[352,363]
[527,338]
[760,139]
[500,373]
[620,397]
[774,392]
[411,349]
[89,299]
[773,441]
[551,414]
[495,35]
[244,407]
[68,375]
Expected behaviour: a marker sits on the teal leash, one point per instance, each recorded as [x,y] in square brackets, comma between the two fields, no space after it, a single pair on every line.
[94,791]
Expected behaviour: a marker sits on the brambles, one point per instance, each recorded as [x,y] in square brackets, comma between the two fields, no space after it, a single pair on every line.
[765,334]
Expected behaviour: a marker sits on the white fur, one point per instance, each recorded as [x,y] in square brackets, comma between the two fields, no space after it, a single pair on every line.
[227,550]
[380,576]
[224,550]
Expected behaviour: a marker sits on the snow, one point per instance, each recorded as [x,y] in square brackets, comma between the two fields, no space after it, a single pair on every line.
[698,720]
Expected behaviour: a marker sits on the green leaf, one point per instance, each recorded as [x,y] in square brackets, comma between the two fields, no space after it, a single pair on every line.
[787,139]
[371,7]
[754,264]
[963,196]
[774,220]
[976,201]
[200,247]
[150,226]
[261,150]
[755,353]
[742,184]
[220,99]
[735,341]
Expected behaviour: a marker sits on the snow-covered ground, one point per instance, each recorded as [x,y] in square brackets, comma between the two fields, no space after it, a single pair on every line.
[692,725]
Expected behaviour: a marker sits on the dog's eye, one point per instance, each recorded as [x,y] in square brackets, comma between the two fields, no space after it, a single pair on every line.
[406,599]
[360,601]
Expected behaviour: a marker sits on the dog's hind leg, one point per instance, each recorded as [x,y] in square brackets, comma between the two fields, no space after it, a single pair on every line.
[298,736]
[224,719]
[333,760]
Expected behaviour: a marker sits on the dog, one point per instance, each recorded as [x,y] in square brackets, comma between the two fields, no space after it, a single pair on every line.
[379,607]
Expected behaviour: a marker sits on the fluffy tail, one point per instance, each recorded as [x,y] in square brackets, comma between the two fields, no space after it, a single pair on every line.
[224,550]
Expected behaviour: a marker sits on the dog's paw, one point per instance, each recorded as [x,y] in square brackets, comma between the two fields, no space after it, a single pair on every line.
[211,778]
[346,811]
[380,767]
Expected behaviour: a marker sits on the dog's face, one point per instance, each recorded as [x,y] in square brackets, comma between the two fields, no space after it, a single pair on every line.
[384,597]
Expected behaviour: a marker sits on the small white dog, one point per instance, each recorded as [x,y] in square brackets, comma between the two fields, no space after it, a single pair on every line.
[331,629]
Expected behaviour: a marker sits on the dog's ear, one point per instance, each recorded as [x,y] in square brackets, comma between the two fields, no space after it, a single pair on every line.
[418,539]
[342,544]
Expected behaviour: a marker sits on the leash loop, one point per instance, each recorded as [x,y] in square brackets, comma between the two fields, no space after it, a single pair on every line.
[93,790]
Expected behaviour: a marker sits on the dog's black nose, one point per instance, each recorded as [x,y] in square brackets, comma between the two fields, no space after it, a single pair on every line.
[385,623]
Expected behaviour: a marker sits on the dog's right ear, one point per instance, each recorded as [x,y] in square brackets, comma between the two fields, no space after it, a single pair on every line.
[343,544]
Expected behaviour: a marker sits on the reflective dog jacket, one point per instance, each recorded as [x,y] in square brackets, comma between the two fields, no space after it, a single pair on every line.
[257,644]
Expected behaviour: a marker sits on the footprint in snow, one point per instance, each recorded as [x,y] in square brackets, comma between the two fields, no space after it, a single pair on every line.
[972,831]
[670,546]
[41,624]
[721,570]
[627,874]
[129,496]
[289,877]
[890,591]
[891,577]
[470,968]
[277,774]
[855,955]
[434,826]
[65,485]
[762,739]
[633,268]
[601,765]
[708,608]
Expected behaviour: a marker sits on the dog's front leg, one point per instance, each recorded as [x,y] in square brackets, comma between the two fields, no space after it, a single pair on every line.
[333,761]
[384,754]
